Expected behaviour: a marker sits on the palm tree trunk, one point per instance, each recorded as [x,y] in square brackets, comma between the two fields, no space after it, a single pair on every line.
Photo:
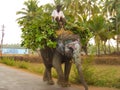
[117,35]
[109,47]
[105,49]
[98,48]
[118,43]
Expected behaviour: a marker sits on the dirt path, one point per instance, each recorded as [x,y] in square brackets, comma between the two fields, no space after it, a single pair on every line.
[15,79]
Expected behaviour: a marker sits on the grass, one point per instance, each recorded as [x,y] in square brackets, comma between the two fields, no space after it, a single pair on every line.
[107,75]
[12,62]
[97,75]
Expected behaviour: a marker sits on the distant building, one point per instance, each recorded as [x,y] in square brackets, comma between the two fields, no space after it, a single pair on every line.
[14,51]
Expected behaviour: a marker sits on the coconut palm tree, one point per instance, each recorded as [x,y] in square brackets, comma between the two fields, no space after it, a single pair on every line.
[28,12]
[113,8]
[97,25]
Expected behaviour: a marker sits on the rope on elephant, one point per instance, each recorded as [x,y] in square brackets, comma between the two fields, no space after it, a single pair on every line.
[66,35]
[62,31]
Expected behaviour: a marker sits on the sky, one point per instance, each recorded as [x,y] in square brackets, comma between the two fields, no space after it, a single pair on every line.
[8,9]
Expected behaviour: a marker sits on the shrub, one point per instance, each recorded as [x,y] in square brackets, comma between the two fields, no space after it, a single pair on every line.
[8,61]
[22,64]
[54,73]
[87,70]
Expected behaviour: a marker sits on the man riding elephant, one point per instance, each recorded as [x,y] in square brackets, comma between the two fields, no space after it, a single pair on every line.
[58,16]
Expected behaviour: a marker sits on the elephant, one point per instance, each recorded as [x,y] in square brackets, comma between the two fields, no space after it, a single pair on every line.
[67,51]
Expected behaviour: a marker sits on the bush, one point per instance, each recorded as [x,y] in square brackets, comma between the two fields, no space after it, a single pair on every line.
[12,62]
[8,61]
[87,70]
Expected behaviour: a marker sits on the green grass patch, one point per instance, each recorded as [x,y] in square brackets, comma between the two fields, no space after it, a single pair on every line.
[12,62]
[36,68]
[107,75]
[22,64]
[8,61]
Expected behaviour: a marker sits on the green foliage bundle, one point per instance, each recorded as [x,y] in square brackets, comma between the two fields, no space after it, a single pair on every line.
[38,30]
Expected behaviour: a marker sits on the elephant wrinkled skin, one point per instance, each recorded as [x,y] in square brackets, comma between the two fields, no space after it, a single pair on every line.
[67,50]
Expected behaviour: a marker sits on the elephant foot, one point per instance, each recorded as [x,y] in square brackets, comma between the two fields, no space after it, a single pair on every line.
[68,84]
[45,79]
[63,84]
[60,83]
[50,82]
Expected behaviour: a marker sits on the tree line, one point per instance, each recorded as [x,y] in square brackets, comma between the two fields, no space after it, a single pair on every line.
[98,19]
[18,46]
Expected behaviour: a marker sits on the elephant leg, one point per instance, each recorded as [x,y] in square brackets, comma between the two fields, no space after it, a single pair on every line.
[47,76]
[57,66]
[79,69]
[50,81]
[47,55]
[67,72]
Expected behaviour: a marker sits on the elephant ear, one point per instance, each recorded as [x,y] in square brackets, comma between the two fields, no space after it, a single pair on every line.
[63,49]
[76,53]
[60,47]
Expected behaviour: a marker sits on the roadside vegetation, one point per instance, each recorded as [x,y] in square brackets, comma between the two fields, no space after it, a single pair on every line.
[96,75]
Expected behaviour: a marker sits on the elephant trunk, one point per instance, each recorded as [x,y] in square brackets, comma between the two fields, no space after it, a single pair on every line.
[79,69]
[77,61]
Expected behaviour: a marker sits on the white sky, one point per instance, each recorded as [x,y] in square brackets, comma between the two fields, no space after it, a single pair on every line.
[8,9]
